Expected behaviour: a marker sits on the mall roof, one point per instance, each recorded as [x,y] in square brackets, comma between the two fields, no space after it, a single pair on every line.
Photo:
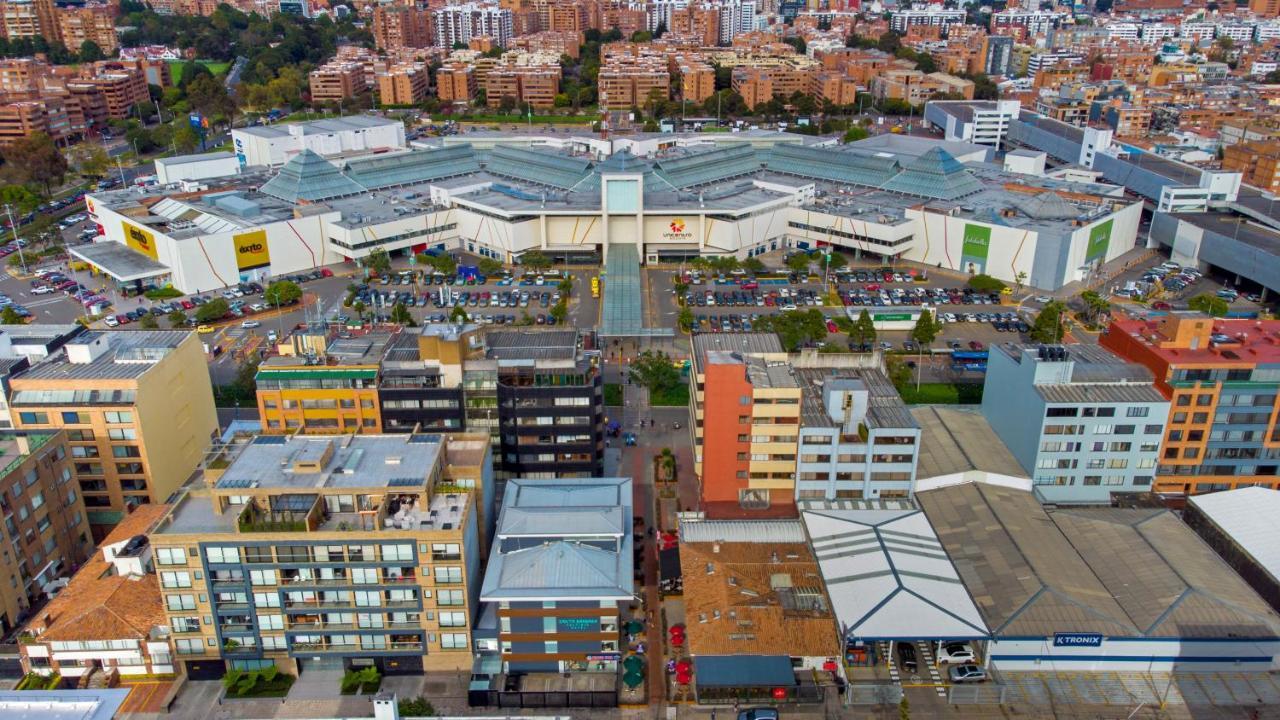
[199,157]
[1248,517]
[888,576]
[119,261]
[320,127]
[1119,572]
[307,177]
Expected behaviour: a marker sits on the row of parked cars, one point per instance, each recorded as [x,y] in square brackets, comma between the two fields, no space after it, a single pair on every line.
[959,656]
[48,281]
[876,296]
[1175,278]
[467,298]
[735,322]
[785,298]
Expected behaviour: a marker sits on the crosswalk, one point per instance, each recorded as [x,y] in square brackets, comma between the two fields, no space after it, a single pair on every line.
[926,653]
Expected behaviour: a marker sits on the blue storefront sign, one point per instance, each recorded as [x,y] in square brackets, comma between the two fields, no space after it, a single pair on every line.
[1077,640]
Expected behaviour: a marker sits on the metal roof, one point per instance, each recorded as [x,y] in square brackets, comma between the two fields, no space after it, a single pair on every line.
[957,441]
[188,159]
[763,531]
[100,704]
[1248,517]
[1078,393]
[119,261]
[1114,571]
[888,576]
[310,178]
[130,354]
[622,315]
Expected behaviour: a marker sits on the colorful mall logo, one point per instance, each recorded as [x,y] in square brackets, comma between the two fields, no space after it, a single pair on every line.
[677,225]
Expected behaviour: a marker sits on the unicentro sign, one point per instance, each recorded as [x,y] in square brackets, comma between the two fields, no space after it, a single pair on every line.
[1077,640]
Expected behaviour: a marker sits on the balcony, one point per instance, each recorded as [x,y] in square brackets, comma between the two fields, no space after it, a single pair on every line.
[235,628]
[355,648]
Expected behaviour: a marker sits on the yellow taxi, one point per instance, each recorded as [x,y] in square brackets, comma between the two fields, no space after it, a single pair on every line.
[204,329]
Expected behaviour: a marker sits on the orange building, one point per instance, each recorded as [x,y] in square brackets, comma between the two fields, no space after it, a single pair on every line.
[337,81]
[405,84]
[20,119]
[456,83]
[1221,379]
[1259,162]
[1265,8]
[96,23]
[398,26]
[697,79]
[536,85]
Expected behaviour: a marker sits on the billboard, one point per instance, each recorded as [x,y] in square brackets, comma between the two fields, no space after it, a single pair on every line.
[1099,242]
[251,250]
[974,250]
[139,239]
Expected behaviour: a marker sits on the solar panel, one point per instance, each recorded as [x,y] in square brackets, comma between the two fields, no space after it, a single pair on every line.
[405,482]
[293,503]
[270,440]
[423,439]
[234,482]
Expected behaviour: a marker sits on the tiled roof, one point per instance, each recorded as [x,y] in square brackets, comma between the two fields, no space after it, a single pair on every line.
[100,605]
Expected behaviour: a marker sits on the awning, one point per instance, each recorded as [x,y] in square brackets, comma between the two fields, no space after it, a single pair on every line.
[119,261]
[743,671]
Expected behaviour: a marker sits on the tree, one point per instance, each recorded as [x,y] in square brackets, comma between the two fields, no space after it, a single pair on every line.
[91,160]
[855,134]
[565,286]
[795,328]
[796,42]
[985,283]
[19,198]
[1211,305]
[836,262]
[359,308]
[401,315]
[208,96]
[177,319]
[680,287]
[685,319]
[864,330]
[9,316]
[215,309]
[653,370]
[753,265]
[489,266]
[148,322]
[443,264]
[378,261]
[1047,327]
[799,262]
[91,51]
[458,315]
[185,138]
[889,42]
[1094,305]
[560,310]
[281,293]
[36,159]
[926,329]
[1021,278]
[535,260]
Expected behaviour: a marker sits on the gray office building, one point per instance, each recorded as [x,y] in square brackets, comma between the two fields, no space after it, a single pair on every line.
[1081,422]
[999,57]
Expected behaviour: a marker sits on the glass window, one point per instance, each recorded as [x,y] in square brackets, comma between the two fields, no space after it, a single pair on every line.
[222,555]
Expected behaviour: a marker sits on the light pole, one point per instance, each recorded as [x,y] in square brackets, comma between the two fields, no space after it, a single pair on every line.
[14,228]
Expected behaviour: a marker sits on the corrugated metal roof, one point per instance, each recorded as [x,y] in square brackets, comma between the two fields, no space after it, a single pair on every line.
[1248,517]
[121,343]
[318,373]
[1078,393]
[956,441]
[739,531]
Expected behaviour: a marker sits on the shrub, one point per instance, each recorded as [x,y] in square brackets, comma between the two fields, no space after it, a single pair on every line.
[163,293]
[416,707]
[985,283]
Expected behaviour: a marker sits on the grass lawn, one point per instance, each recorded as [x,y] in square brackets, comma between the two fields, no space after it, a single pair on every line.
[175,68]
[676,397]
[942,394]
[612,394]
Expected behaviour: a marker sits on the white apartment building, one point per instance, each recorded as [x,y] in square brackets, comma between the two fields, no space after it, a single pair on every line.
[459,23]
[932,15]
[1155,32]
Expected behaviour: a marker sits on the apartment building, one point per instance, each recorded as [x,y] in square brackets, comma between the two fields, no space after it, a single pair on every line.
[45,532]
[455,24]
[1230,132]
[1220,378]
[93,23]
[549,41]
[28,18]
[109,619]
[917,88]
[626,81]
[1128,120]
[532,84]
[401,26]
[20,119]
[329,387]
[1258,161]
[326,553]
[336,82]
[456,83]
[137,408]
[697,79]
[746,425]
[403,84]
[901,20]
[1082,423]
[857,440]
[559,577]
[420,380]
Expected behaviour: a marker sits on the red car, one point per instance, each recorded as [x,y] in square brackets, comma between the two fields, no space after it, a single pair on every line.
[1161,306]
[187,304]
[326,272]
[873,287]
[831,326]
[975,345]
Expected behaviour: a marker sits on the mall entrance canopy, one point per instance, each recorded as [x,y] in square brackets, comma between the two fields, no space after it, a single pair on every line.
[624,301]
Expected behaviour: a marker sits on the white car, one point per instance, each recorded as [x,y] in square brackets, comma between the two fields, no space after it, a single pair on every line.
[42,290]
[1043,299]
[955,653]
[110,321]
[250,324]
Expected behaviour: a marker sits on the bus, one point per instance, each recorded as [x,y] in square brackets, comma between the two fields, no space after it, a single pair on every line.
[595,287]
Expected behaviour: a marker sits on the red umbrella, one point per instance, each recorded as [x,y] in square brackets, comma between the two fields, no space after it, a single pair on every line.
[677,630]
[779,693]
[684,678]
[677,640]
[684,666]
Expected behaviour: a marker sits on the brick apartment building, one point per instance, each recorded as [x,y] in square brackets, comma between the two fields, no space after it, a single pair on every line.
[337,81]
[403,84]
[399,26]
[536,85]
[456,83]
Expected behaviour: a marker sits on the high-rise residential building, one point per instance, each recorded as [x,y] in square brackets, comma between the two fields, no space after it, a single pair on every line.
[401,26]
[337,81]
[109,617]
[932,15]
[456,83]
[1265,8]
[328,552]
[137,408]
[1082,423]
[28,19]
[45,533]
[95,23]
[559,575]
[455,24]
[627,81]
[697,79]
[533,84]
[328,385]
[403,84]
[1220,377]
[21,118]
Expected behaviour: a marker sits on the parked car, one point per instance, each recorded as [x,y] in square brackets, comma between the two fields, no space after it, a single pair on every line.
[967,674]
[758,714]
[956,653]
[907,657]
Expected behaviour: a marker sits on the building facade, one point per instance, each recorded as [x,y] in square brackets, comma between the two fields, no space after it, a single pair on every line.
[137,409]
[1220,378]
[1081,422]
[327,552]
